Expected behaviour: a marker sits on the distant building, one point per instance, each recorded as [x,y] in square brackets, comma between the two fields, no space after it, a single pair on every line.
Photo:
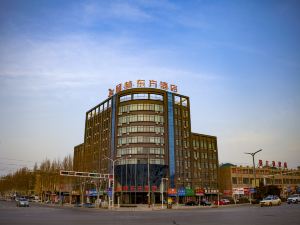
[148,129]
[232,177]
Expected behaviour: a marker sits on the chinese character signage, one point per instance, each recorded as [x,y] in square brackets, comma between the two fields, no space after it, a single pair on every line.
[142,84]
[274,164]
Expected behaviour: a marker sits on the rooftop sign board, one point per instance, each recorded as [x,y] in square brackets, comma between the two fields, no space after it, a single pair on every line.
[142,84]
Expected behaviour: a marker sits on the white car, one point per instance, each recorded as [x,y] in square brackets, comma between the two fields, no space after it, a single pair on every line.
[295,198]
[270,200]
[22,202]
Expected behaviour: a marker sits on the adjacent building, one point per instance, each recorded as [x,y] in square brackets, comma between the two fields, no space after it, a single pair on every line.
[240,178]
[146,130]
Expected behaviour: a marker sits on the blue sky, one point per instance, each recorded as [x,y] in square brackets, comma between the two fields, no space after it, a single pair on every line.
[239,61]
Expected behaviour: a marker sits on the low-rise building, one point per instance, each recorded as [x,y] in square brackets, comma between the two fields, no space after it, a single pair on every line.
[234,178]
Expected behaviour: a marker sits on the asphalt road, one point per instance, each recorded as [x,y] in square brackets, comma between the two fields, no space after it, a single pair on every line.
[231,215]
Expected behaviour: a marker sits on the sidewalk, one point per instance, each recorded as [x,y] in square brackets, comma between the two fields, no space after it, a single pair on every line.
[145,207]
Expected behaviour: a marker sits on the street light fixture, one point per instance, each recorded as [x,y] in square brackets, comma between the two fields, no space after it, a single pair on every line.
[148,173]
[113,184]
[253,154]
[113,177]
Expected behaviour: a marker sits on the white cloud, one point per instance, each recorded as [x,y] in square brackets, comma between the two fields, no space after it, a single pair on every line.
[82,61]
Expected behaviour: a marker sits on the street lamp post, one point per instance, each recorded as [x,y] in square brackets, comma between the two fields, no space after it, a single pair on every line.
[253,154]
[149,201]
[113,178]
[113,174]
[162,191]
[177,196]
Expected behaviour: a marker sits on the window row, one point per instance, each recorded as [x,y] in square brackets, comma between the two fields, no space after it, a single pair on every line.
[204,144]
[135,129]
[204,155]
[178,112]
[139,107]
[141,96]
[141,117]
[140,150]
[180,100]
[140,139]
[140,161]
[99,109]
[202,165]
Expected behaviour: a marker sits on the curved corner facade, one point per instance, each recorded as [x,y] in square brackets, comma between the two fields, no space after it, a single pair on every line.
[147,132]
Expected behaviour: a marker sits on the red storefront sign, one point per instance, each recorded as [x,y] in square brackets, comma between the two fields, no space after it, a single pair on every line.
[172,191]
[154,188]
[125,188]
[119,188]
[227,192]
[146,188]
[132,188]
[246,191]
[199,192]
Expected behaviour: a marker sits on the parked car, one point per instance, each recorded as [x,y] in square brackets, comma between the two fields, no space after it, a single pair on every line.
[191,203]
[270,200]
[219,202]
[205,203]
[89,205]
[225,201]
[22,202]
[295,198]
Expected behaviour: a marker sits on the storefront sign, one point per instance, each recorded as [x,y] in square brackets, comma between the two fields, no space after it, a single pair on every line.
[199,192]
[274,164]
[172,192]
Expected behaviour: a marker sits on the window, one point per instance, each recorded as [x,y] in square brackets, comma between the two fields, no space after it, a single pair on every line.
[140,96]
[234,180]
[125,98]
[156,97]
[245,180]
[183,101]
[177,100]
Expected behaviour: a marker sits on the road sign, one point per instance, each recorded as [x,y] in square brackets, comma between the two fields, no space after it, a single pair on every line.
[109,192]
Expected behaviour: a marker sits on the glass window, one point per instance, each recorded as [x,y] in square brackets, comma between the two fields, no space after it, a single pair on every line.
[177,100]
[183,101]
[156,97]
[140,96]
[125,98]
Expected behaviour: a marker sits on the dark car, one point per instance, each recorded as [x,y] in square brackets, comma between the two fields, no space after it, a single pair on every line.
[205,203]
[191,203]
[89,205]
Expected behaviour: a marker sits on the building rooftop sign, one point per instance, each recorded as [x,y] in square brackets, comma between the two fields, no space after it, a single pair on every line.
[142,84]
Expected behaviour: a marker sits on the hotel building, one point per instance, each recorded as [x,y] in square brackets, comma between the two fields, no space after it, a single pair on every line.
[146,130]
